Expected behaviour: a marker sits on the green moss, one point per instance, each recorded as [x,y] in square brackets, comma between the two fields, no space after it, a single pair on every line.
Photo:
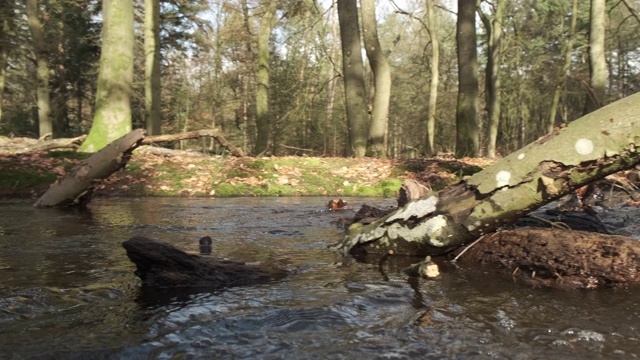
[23,179]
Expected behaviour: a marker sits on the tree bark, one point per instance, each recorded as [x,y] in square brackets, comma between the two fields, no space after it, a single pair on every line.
[597,61]
[588,149]
[493,27]
[435,79]
[42,68]
[112,117]
[353,76]
[6,27]
[262,77]
[152,65]
[467,129]
[382,79]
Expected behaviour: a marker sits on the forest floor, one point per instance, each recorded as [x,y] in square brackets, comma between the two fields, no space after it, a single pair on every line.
[196,175]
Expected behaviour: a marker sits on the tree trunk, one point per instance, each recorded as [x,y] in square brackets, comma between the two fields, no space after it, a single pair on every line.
[353,76]
[6,25]
[597,62]
[382,79]
[262,77]
[42,68]
[467,129]
[152,65]
[588,149]
[493,27]
[565,69]
[112,117]
[435,79]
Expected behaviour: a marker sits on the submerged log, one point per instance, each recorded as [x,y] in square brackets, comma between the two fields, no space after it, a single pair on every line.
[560,258]
[162,265]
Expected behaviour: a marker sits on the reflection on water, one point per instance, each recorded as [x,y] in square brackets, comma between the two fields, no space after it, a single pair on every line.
[68,291]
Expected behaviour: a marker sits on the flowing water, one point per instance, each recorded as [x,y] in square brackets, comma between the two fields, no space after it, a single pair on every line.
[67,291]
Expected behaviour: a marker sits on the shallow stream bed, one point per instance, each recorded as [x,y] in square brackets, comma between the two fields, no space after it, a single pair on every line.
[67,291]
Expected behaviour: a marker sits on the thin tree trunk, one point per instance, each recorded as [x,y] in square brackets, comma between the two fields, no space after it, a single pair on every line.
[467,129]
[493,26]
[597,62]
[560,84]
[382,79]
[435,79]
[42,68]
[262,77]
[112,117]
[331,86]
[353,76]
[152,65]
[6,18]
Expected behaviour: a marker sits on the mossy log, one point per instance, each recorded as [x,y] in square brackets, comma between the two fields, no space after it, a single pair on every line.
[599,144]
[162,265]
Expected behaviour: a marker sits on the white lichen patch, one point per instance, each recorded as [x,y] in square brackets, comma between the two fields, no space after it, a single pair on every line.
[502,178]
[521,156]
[584,146]
[418,209]
[430,229]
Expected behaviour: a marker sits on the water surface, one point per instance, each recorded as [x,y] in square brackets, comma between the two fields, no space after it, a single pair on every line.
[67,290]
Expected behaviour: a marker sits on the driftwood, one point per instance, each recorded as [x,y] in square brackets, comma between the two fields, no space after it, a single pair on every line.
[560,258]
[78,184]
[162,265]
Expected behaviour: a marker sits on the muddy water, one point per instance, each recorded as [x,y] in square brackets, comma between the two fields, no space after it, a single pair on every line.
[67,291]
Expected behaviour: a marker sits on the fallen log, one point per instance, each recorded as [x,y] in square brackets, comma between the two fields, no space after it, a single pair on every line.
[560,258]
[77,185]
[588,149]
[162,265]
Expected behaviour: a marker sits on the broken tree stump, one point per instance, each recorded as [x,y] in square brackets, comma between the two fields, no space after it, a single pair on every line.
[162,265]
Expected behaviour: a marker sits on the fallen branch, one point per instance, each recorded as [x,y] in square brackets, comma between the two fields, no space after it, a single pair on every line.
[214,133]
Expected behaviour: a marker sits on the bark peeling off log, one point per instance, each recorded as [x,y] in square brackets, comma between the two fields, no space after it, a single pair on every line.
[560,258]
[162,265]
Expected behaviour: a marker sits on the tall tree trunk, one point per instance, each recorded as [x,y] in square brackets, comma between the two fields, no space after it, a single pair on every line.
[152,66]
[6,24]
[435,79]
[565,68]
[382,79]
[493,27]
[353,75]
[42,68]
[112,117]
[331,89]
[262,77]
[467,129]
[597,62]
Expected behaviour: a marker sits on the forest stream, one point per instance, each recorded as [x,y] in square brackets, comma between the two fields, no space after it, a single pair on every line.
[68,291]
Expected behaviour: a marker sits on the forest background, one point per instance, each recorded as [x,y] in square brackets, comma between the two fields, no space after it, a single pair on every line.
[212,60]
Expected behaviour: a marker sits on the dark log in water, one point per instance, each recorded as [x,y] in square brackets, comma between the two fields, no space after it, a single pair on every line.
[162,265]
[560,258]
